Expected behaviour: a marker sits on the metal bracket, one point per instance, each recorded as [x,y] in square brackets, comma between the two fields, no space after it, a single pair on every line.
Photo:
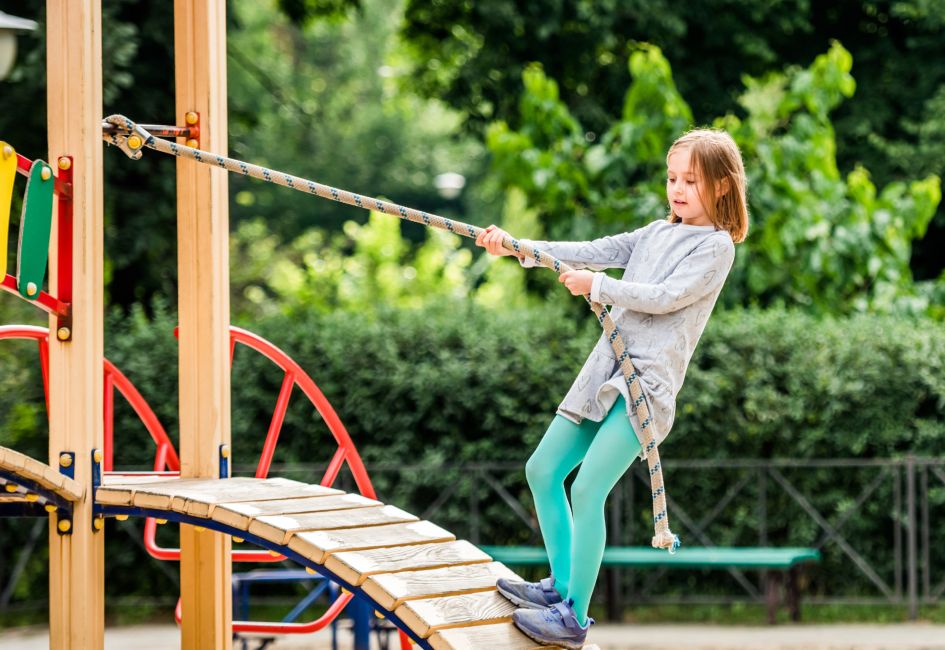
[224,461]
[98,520]
[64,516]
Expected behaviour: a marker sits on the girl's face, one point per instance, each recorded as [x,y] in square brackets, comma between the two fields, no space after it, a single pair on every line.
[683,188]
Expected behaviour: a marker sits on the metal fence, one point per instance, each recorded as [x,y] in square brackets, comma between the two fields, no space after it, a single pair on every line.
[874,522]
[897,501]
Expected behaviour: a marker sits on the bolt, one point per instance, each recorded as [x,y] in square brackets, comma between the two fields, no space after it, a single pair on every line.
[10,487]
[134,142]
[121,517]
[310,570]
[225,451]
[97,455]
[45,173]
[160,522]
[31,289]
[238,540]
[191,118]
[7,151]
[32,498]
[63,333]
[200,529]
[50,508]
[65,460]
[64,163]
[98,523]
[65,525]
[192,143]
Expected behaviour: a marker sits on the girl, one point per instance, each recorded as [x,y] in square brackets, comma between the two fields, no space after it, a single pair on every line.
[674,270]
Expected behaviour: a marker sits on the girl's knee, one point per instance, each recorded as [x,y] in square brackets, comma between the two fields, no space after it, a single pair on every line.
[539,473]
[587,492]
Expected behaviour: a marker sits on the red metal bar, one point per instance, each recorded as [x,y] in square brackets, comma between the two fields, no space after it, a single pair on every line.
[331,472]
[143,410]
[317,398]
[44,365]
[108,438]
[64,236]
[293,628]
[275,426]
[49,304]
[60,187]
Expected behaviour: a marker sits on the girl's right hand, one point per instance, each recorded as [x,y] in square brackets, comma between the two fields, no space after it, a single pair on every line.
[491,239]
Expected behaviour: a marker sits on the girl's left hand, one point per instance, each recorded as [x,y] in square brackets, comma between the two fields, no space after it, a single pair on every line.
[578,282]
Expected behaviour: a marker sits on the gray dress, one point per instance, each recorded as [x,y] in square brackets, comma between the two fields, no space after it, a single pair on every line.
[673,273]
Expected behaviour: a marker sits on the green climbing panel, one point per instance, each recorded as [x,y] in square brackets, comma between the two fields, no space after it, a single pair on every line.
[33,251]
[7,176]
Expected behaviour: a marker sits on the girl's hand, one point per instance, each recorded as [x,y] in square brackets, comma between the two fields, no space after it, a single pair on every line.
[491,240]
[578,282]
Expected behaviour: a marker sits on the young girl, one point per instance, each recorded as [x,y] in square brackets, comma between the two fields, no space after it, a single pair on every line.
[674,270]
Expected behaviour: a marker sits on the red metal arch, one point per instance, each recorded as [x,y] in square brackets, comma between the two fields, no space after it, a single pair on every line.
[167,461]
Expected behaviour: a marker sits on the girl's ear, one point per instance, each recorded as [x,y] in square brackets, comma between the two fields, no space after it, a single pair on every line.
[722,188]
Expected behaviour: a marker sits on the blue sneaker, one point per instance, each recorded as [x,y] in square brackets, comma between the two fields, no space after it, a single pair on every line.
[556,625]
[531,595]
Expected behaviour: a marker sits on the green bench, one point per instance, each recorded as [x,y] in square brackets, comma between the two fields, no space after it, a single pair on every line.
[775,562]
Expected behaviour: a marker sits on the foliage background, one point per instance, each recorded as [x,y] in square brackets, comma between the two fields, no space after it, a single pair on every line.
[828,341]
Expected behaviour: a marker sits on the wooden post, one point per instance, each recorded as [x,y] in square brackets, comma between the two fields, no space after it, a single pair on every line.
[203,312]
[74,105]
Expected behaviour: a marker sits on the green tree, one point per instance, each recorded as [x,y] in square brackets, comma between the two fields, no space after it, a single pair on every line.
[819,238]
[472,55]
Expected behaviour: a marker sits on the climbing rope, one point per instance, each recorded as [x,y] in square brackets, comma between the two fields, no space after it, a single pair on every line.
[132,138]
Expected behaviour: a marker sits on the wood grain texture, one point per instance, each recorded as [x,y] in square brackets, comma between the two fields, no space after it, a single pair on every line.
[504,636]
[431,614]
[240,515]
[74,119]
[390,590]
[357,566]
[41,473]
[318,545]
[279,529]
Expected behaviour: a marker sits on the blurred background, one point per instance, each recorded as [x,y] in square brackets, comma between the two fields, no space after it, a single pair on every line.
[814,409]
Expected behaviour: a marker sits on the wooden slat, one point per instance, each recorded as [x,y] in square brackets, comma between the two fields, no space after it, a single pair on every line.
[390,590]
[200,503]
[317,545]
[41,473]
[355,567]
[240,515]
[431,614]
[501,636]
[279,529]
[113,493]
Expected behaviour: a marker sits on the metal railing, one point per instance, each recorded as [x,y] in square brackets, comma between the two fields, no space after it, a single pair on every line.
[872,520]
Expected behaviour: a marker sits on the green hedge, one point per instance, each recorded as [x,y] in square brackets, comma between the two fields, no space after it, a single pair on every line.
[435,388]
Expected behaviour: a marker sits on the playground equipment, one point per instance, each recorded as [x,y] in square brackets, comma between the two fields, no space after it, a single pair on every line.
[438,590]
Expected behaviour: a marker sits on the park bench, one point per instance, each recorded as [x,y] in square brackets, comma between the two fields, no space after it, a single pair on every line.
[775,562]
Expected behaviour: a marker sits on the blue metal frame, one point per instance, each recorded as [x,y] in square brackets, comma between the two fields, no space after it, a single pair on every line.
[63,507]
[361,599]
[242,582]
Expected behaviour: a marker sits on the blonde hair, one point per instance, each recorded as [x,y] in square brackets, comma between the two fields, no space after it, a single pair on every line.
[715,157]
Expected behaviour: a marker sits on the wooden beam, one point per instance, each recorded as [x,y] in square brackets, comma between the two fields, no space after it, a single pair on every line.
[203,311]
[74,107]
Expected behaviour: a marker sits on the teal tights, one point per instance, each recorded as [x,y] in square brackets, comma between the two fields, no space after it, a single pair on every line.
[604,450]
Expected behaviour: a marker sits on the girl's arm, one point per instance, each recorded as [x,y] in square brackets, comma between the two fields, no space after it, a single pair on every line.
[702,272]
[603,253]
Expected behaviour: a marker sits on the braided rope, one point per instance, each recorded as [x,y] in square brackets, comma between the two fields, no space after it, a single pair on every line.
[131,139]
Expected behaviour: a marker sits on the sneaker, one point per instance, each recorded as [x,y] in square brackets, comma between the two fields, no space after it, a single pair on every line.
[556,625]
[531,595]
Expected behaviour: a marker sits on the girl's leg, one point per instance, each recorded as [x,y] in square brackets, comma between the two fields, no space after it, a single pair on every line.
[561,450]
[613,450]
